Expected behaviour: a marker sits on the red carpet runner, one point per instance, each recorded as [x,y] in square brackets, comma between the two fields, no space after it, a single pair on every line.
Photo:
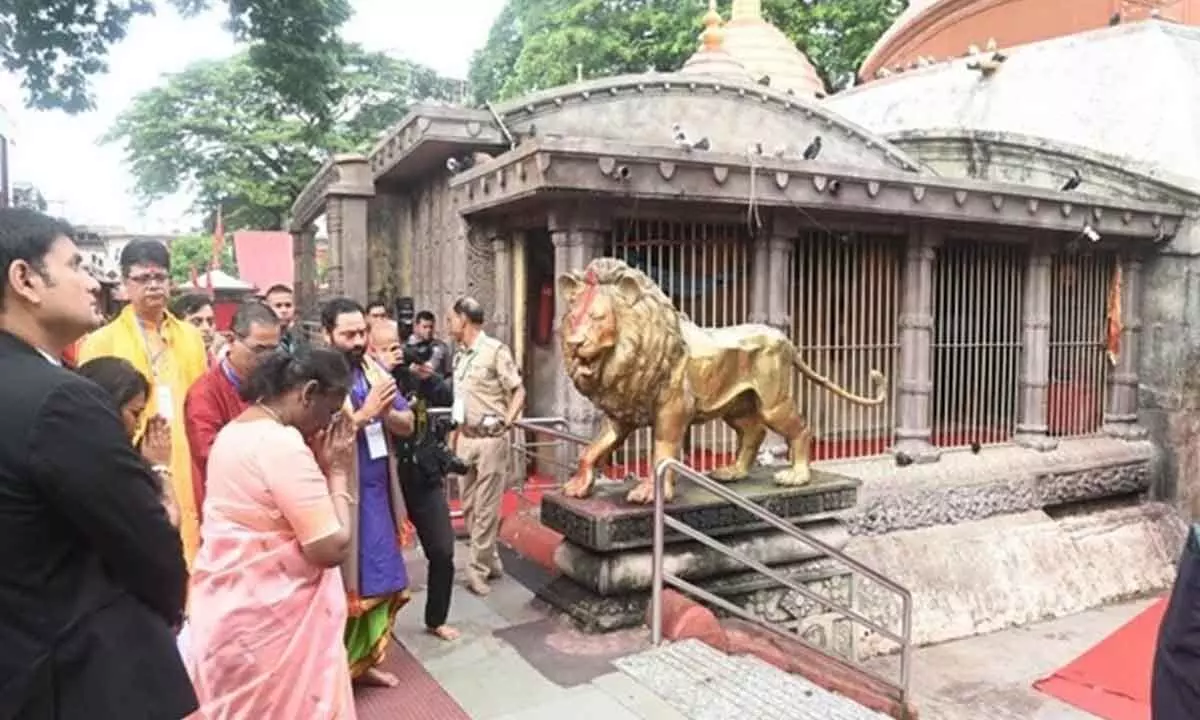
[419,696]
[1112,680]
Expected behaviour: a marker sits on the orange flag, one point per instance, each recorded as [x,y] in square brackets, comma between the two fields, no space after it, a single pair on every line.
[218,247]
[1113,339]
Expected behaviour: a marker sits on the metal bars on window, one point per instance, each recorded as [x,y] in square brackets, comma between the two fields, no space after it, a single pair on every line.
[844,306]
[976,342]
[1080,286]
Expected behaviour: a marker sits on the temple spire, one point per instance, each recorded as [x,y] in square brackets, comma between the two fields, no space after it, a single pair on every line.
[712,36]
[746,10]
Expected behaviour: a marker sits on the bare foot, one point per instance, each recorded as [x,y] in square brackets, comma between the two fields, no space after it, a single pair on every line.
[443,632]
[381,678]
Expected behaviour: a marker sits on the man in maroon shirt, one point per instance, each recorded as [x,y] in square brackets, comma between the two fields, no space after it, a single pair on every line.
[213,400]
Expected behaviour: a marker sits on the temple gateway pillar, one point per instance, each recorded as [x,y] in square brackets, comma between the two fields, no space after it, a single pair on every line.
[502,327]
[1121,416]
[346,221]
[304,260]
[578,238]
[914,411]
[1033,429]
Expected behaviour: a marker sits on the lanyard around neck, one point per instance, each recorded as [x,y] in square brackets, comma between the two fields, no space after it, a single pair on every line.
[151,356]
[230,375]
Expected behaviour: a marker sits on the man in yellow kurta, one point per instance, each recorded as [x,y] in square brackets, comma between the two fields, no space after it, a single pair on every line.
[168,351]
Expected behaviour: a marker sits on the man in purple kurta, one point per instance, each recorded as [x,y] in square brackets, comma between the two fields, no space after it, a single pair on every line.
[375,577]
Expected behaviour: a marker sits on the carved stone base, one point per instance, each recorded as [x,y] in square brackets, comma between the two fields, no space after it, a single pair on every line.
[605,522]
[915,450]
[1032,440]
[629,571]
[1125,430]
[758,595]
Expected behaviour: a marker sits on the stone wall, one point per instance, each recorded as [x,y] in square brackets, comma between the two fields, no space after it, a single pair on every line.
[1169,391]
[420,246]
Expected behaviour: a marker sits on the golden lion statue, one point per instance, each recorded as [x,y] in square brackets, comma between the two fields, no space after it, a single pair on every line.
[644,364]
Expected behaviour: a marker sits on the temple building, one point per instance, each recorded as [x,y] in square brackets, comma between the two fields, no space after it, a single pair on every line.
[1008,235]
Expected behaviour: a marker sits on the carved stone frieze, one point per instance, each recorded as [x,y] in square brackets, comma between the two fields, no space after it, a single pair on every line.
[964,486]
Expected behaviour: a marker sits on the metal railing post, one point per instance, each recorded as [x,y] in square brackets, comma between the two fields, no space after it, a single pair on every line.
[656,582]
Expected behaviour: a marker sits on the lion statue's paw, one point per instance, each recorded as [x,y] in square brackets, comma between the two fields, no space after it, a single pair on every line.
[792,476]
[730,473]
[579,486]
[643,493]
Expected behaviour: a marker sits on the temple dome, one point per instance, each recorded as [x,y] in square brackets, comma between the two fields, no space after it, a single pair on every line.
[764,51]
[711,57]
[941,29]
[1127,91]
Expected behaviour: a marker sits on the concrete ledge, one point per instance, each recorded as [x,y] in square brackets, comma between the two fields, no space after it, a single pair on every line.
[964,486]
[525,535]
[988,575]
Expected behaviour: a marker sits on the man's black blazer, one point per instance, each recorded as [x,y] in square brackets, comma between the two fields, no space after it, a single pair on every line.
[92,576]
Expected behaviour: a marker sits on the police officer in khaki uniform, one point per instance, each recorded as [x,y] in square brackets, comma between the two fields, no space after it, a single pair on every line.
[488,399]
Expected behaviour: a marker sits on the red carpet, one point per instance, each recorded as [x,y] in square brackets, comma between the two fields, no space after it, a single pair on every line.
[419,696]
[1112,680]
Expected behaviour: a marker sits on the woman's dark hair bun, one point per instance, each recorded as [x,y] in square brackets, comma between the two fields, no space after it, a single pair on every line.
[282,371]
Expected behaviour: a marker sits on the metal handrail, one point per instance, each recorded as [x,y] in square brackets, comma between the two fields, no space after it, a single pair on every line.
[660,577]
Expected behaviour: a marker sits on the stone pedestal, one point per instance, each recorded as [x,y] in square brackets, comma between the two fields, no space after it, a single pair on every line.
[604,561]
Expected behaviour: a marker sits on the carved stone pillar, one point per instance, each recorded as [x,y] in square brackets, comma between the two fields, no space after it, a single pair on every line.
[771,276]
[520,295]
[346,220]
[780,247]
[914,416]
[578,239]
[503,284]
[760,280]
[304,260]
[1032,426]
[771,288]
[1121,419]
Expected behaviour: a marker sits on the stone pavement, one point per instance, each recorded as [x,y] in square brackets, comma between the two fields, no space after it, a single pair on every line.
[991,676]
[517,660]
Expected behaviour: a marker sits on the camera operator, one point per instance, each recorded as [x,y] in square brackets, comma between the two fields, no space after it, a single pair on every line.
[422,344]
[422,462]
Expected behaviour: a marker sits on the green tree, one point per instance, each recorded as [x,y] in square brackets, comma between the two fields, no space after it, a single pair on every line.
[537,44]
[58,46]
[219,132]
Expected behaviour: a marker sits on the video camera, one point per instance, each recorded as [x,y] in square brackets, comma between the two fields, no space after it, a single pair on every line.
[431,451]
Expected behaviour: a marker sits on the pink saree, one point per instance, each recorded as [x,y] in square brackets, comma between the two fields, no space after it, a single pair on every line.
[266,625]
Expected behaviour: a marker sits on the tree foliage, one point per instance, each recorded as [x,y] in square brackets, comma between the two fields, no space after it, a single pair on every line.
[220,133]
[25,195]
[194,252]
[537,44]
[58,46]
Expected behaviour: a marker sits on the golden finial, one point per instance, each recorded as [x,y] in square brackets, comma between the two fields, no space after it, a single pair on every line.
[712,36]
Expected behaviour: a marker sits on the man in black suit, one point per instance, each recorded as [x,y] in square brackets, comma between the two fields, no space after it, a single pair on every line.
[92,577]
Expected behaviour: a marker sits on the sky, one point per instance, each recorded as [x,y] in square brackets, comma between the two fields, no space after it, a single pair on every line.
[86,183]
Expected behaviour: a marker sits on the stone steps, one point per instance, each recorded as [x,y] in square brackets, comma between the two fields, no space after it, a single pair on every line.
[703,683]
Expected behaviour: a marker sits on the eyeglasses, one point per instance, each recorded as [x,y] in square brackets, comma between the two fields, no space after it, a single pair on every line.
[259,349]
[149,278]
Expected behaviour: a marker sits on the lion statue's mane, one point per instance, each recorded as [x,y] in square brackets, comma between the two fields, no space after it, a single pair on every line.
[650,346]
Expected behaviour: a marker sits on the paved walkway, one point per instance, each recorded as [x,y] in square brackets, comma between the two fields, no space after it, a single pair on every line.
[517,661]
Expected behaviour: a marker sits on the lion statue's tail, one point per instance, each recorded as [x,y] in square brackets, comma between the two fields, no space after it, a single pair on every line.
[878,381]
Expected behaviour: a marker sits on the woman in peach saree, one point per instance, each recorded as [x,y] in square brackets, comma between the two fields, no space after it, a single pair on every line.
[268,607]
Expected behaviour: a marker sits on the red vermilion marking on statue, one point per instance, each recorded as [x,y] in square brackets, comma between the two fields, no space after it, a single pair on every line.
[585,299]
